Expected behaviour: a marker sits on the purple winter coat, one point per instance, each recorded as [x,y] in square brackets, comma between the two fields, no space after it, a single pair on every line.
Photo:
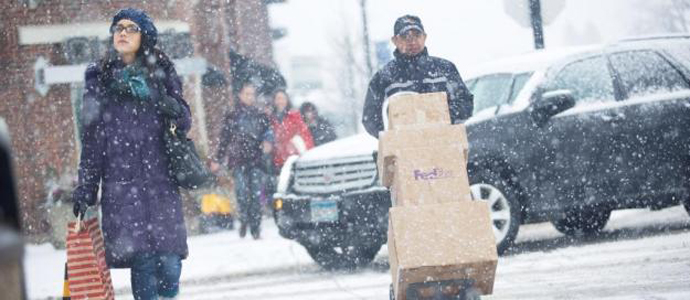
[123,151]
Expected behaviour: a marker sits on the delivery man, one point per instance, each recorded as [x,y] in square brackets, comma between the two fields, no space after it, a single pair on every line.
[413,70]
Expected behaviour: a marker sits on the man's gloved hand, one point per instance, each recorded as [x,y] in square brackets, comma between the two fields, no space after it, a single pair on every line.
[79,208]
[170,107]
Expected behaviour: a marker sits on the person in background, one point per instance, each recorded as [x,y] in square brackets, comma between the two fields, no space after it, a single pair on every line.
[130,94]
[321,130]
[292,136]
[245,137]
[413,70]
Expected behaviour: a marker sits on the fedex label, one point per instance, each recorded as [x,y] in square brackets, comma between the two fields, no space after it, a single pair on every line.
[433,174]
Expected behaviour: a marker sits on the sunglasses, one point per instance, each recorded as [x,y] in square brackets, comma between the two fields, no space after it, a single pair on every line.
[128,29]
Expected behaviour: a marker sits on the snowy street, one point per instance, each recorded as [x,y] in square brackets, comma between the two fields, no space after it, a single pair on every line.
[641,254]
[405,135]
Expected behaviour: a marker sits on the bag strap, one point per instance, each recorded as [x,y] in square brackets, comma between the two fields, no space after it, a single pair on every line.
[169,122]
[78,224]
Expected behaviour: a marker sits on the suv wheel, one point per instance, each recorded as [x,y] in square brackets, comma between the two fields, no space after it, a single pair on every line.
[583,220]
[503,203]
[343,258]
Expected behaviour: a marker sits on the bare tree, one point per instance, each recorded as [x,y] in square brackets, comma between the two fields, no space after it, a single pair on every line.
[350,70]
[664,16]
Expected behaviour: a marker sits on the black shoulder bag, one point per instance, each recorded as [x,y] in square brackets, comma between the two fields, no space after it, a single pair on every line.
[184,164]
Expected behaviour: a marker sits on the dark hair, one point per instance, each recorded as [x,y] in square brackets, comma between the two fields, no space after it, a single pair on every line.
[273,100]
[308,106]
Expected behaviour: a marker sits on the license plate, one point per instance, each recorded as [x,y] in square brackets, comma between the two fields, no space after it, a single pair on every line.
[324,210]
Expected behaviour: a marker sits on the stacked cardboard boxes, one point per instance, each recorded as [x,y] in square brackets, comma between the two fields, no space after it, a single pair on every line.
[436,233]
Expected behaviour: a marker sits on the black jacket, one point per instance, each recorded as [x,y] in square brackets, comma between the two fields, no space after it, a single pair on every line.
[421,74]
[322,131]
[244,129]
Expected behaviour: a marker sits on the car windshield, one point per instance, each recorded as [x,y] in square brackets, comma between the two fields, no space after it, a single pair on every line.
[496,89]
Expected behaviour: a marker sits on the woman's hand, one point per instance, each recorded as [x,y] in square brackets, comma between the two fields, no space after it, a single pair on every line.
[79,209]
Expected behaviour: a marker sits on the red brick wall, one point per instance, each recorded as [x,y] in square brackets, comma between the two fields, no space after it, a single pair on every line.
[42,128]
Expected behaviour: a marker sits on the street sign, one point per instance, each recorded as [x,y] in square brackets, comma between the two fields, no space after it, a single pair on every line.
[519,10]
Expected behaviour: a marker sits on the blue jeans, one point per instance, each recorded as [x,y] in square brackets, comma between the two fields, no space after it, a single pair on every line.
[156,274]
[248,185]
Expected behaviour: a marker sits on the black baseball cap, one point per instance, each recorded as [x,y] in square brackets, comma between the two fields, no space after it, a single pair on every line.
[407,23]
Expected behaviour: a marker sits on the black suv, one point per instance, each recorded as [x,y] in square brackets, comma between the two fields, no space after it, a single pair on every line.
[568,136]
[563,135]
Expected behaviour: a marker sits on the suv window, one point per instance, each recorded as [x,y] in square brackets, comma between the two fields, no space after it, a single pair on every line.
[519,82]
[491,90]
[646,72]
[589,80]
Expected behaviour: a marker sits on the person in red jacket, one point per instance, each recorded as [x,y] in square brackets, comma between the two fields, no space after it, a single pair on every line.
[292,136]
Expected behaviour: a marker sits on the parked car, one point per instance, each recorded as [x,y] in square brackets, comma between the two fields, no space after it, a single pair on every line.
[567,136]
[564,135]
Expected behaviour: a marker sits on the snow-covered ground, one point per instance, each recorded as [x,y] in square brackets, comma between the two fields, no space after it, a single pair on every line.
[642,254]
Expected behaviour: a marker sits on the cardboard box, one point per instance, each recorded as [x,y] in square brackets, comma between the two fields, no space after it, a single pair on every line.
[426,175]
[417,110]
[440,135]
[442,242]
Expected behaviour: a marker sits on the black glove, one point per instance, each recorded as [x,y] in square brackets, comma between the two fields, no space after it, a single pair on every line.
[79,209]
[170,107]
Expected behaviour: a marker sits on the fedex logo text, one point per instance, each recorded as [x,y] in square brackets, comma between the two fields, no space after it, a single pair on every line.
[435,173]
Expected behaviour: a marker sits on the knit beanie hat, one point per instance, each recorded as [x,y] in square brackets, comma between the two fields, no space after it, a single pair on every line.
[149,33]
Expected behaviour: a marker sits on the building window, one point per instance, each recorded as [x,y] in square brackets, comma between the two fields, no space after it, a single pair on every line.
[30,3]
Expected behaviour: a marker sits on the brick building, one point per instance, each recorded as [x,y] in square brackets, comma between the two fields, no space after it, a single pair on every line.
[44,49]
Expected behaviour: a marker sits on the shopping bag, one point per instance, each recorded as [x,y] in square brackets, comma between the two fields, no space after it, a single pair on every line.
[89,276]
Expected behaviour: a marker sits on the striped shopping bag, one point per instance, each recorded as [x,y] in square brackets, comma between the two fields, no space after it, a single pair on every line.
[89,276]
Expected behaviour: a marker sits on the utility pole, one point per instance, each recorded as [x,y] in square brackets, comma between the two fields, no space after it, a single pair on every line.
[537,28]
[365,28]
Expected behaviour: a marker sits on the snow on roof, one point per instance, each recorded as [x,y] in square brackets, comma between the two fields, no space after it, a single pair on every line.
[532,61]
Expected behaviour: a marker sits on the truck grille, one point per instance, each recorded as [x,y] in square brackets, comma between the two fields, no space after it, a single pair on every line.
[338,175]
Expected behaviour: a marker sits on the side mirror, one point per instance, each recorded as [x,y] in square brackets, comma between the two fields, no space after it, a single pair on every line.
[551,104]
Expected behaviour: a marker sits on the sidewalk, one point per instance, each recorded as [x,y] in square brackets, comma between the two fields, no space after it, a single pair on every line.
[217,255]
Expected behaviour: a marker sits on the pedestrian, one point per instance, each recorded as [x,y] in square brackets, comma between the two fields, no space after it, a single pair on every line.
[321,130]
[292,136]
[413,70]
[245,137]
[129,96]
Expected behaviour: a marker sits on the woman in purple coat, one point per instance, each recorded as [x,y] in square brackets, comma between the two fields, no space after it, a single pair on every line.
[130,95]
